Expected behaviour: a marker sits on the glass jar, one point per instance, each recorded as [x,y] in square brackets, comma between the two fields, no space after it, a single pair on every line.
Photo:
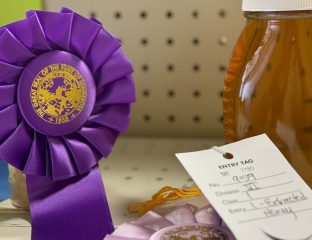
[18,188]
[268,87]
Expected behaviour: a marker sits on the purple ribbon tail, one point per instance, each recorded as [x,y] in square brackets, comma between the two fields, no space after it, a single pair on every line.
[72,209]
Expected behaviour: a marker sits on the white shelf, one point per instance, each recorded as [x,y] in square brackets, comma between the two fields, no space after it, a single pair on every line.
[137,168]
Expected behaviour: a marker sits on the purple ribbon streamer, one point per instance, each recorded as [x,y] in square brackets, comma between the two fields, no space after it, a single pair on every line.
[70,209]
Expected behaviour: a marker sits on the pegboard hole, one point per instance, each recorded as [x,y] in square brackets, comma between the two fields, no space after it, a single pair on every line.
[144,41]
[195,41]
[222,68]
[159,179]
[196,93]
[223,40]
[195,14]
[118,15]
[190,180]
[128,178]
[143,15]
[145,67]
[222,13]
[171,118]
[106,168]
[196,68]
[170,68]
[164,169]
[147,118]
[221,94]
[171,93]
[221,119]
[196,119]
[92,14]
[170,41]
[146,93]
[169,14]
[135,169]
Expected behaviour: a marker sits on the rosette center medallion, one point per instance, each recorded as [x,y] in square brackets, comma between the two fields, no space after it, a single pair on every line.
[58,93]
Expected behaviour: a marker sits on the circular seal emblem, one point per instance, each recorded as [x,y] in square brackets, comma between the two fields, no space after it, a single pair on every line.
[58,93]
[194,231]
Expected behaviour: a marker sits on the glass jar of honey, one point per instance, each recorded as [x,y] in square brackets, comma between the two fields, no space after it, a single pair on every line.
[268,87]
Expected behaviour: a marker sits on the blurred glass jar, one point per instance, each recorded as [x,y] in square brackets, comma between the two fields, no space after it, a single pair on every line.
[268,88]
[18,188]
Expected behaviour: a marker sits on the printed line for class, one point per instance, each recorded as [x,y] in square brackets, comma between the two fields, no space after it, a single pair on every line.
[275,195]
[271,176]
[261,218]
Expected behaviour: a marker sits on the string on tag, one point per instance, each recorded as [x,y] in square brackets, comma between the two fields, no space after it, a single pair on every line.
[165,195]
[225,154]
[169,194]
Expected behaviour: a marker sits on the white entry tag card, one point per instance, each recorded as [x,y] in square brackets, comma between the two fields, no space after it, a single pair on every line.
[257,192]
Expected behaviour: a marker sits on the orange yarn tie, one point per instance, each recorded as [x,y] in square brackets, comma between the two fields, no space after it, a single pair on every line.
[166,194]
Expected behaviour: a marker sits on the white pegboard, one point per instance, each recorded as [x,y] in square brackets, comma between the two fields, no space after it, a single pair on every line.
[180,49]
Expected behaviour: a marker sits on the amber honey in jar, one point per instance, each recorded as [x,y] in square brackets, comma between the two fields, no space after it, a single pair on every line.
[268,87]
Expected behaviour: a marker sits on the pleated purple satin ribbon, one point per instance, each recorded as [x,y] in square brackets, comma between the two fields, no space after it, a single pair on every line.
[65,95]
[181,223]
[70,209]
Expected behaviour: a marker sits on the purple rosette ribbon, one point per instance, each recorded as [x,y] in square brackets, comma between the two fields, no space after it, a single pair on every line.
[65,95]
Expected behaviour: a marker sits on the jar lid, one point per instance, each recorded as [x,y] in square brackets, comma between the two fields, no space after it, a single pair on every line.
[276,5]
